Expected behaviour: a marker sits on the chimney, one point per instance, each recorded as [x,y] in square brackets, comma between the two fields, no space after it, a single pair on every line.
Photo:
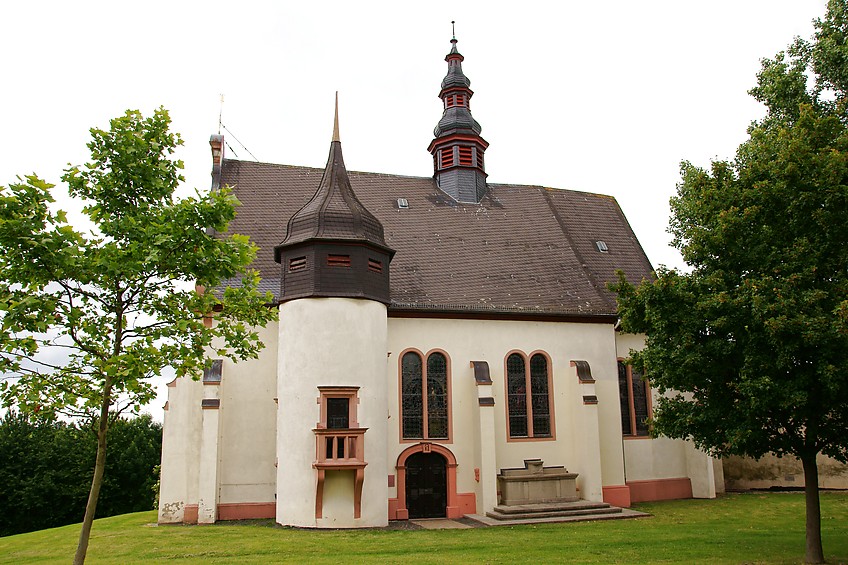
[216,142]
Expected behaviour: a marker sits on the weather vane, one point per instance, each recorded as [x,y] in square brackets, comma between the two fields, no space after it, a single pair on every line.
[220,113]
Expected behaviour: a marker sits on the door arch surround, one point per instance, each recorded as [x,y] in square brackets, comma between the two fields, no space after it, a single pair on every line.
[452,510]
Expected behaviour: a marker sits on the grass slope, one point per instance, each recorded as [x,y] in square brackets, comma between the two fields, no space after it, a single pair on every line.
[737,528]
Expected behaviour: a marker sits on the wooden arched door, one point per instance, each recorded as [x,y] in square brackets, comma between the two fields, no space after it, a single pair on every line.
[426,485]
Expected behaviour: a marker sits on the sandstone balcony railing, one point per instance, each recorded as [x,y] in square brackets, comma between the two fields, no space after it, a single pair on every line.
[339,450]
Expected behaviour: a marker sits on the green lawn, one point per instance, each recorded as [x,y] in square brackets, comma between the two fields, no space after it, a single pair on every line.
[737,528]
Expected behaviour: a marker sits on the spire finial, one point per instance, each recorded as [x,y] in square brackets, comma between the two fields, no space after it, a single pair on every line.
[336,120]
[453,31]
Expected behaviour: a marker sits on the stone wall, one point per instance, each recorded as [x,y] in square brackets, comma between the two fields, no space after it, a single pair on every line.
[742,473]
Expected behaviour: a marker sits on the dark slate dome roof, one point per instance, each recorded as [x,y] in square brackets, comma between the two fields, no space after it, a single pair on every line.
[457,118]
[455,77]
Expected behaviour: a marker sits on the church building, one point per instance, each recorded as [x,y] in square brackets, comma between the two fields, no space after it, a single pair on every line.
[446,347]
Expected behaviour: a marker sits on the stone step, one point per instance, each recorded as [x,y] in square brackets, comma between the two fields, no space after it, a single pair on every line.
[535,515]
[576,505]
[504,520]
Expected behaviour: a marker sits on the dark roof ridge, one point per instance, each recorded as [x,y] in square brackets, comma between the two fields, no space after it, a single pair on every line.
[430,177]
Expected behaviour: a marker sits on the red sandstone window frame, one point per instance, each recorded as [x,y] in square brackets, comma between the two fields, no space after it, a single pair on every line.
[349,392]
[635,432]
[425,424]
[531,435]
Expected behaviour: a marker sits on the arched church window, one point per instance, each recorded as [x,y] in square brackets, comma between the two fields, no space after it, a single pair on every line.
[634,395]
[528,383]
[425,396]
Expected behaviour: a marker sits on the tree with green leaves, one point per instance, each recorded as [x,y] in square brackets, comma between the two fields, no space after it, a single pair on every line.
[89,318]
[749,349]
[46,465]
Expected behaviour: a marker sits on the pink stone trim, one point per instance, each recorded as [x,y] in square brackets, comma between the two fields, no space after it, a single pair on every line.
[453,510]
[467,503]
[246,510]
[617,495]
[190,514]
[660,489]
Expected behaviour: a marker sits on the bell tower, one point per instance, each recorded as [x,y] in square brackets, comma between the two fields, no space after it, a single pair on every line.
[458,147]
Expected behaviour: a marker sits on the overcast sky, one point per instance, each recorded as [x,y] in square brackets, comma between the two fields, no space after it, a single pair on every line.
[603,97]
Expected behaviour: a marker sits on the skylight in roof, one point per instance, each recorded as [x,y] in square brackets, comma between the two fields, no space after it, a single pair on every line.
[602,246]
[402,203]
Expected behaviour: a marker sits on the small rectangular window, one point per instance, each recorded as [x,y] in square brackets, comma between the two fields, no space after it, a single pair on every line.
[212,374]
[375,265]
[338,412]
[297,263]
[338,260]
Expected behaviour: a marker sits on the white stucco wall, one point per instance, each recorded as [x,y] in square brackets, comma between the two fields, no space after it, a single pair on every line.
[223,455]
[491,341]
[663,458]
[180,449]
[248,425]
[347,342]
[330,342]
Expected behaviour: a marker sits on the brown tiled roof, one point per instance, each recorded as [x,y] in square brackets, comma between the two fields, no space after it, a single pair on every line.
[524,250]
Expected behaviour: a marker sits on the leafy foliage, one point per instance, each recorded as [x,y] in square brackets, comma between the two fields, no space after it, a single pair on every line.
[111,300]
[119,303]
[46,467]
[749,348]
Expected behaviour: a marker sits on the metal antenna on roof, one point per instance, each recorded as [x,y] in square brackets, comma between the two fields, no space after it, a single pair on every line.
[336,120]
[239,142]
[220,113]
[453,28]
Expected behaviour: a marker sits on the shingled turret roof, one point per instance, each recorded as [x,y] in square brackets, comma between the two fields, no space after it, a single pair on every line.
[334,212]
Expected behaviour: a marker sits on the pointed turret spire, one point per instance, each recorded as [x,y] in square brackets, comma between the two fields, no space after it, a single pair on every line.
[458,147]
[334,229]
[336,120]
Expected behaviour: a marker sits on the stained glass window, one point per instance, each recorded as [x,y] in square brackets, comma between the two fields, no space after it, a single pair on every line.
[516,383]
[633,389]
[624,399]
[640,402]
[539,388]
[437,396]
[425,416]
[412,403]
[528,396]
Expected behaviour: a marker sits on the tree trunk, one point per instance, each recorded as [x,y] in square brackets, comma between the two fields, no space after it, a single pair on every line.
[814,552]
[97,480]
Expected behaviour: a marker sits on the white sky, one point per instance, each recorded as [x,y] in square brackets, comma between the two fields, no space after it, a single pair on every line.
[603,97]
